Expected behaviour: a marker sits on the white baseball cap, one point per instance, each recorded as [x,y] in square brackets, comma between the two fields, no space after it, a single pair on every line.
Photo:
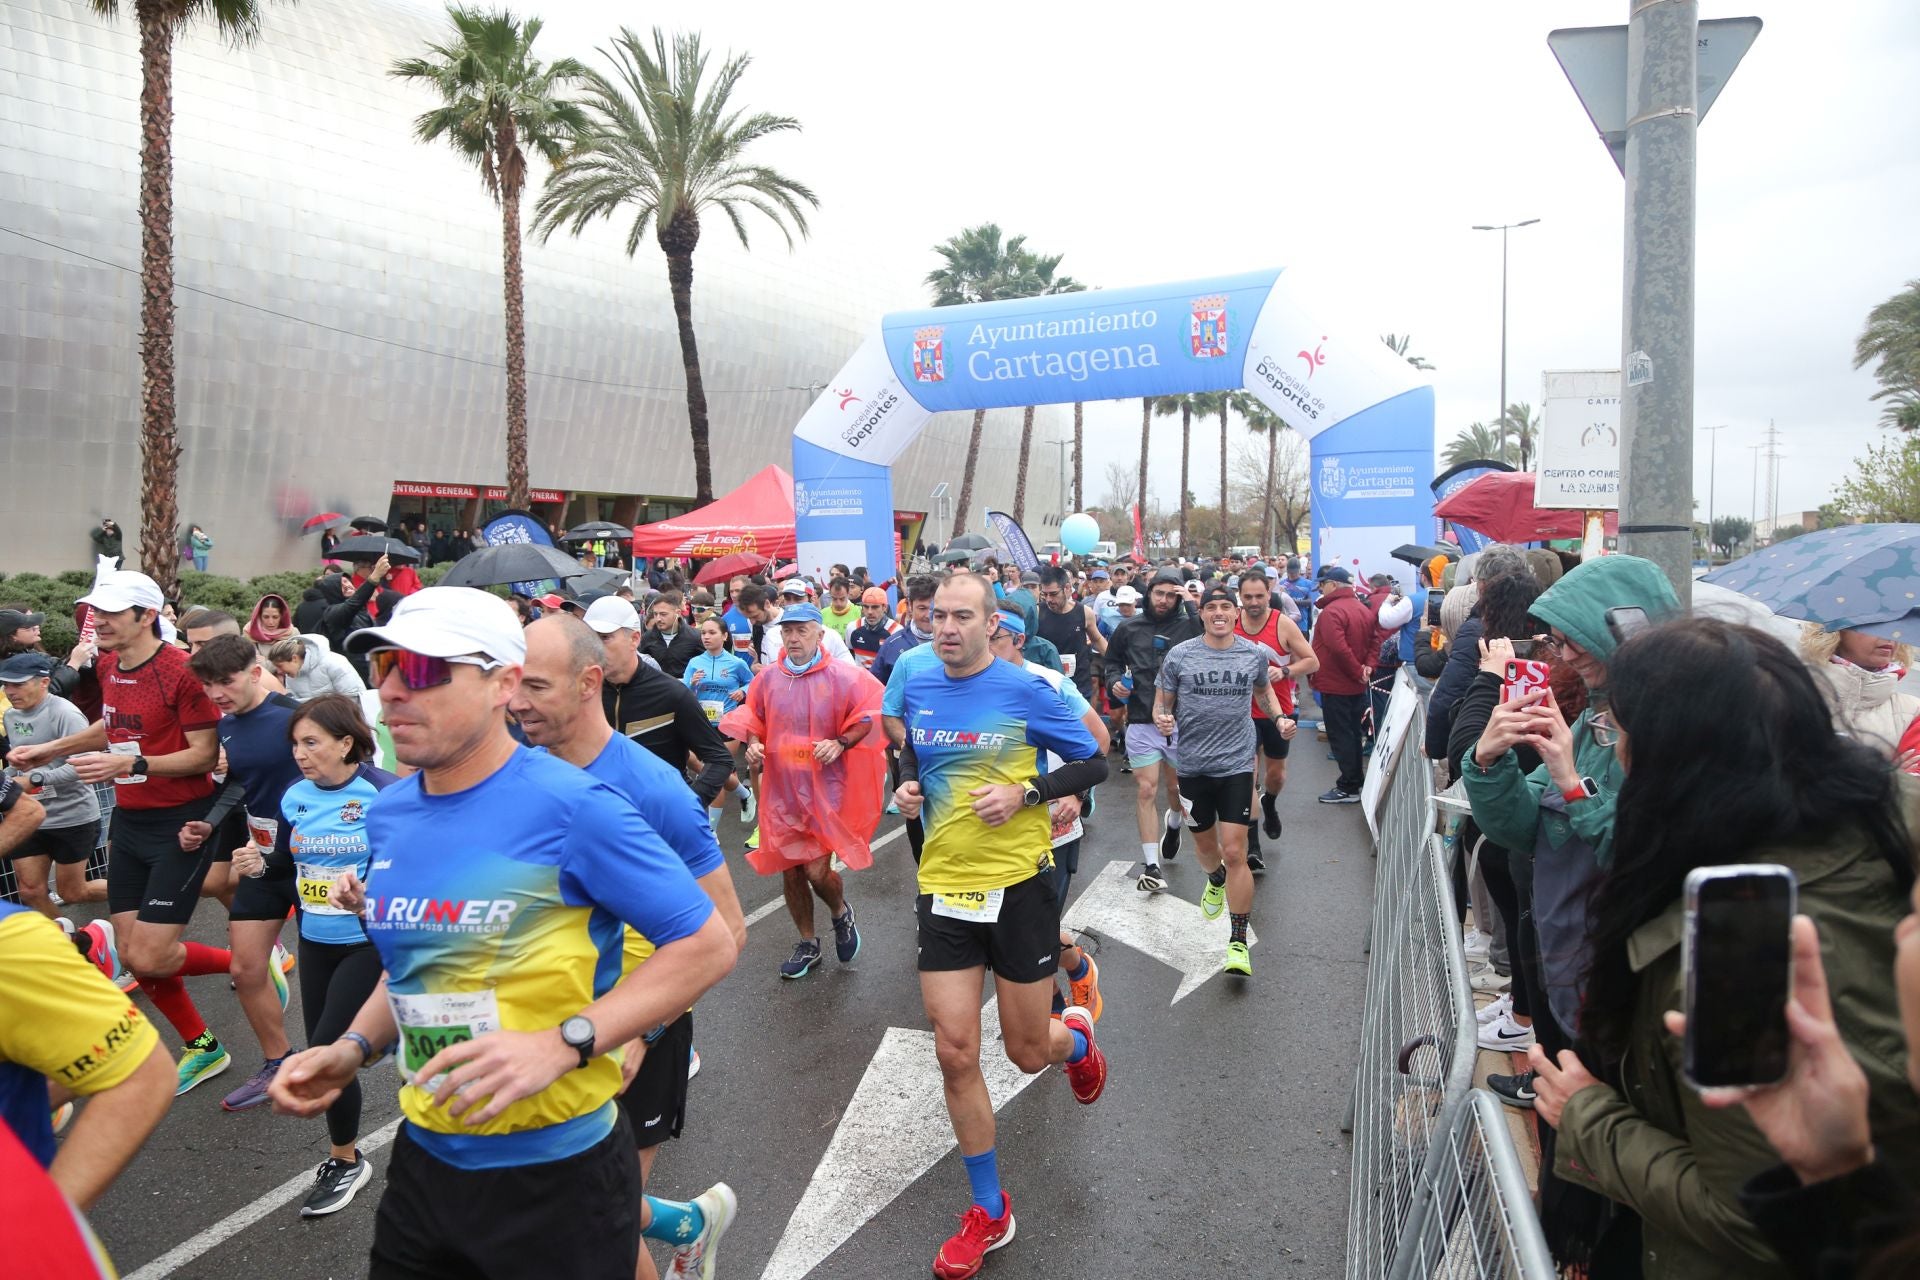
[119,589]
[609,614]
[448,622]
[1125,595]
[796,587]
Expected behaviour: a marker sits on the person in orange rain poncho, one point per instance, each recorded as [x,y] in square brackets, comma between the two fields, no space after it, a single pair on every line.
[810,723]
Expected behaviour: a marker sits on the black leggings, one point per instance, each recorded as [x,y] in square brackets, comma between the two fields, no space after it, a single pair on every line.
[1495,869]
[335,980]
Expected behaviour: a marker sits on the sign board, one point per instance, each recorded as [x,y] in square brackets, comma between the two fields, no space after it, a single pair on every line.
[1579,440]
[1595,60]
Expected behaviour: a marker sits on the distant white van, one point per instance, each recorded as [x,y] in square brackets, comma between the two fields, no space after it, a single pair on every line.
[1104,551]
[1243,553]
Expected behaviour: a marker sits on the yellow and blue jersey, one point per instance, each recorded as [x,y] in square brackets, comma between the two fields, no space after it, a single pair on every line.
[502,907]
[990,727]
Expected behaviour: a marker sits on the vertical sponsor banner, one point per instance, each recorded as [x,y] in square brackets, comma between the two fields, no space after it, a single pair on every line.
[1139,536]
[842,513]
[1452,481]
[1370,479]
[517,526]
[1019,546]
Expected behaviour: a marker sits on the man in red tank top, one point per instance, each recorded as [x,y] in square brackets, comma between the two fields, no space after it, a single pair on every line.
[1264,625]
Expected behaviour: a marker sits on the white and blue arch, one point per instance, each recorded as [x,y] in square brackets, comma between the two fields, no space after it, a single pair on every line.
[1367,414]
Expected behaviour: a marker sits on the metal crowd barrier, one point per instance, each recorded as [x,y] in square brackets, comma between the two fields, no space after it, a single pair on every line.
[1436,1187]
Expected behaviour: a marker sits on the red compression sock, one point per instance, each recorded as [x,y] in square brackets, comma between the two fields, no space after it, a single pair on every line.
[203,960]
[169,996]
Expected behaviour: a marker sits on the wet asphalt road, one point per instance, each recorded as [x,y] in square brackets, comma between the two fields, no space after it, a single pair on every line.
[1215,1151]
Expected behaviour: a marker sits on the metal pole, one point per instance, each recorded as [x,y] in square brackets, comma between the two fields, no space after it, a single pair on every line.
[1713,443]
[1753,515]
[1501,417]
[1656,418]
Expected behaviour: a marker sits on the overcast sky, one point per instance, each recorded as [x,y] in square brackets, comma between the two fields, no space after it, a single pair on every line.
[1356,144]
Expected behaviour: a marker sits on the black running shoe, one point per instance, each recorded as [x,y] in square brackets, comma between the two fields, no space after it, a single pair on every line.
[1269,819]
[1170,836]
[1515,1091]
[335,1185]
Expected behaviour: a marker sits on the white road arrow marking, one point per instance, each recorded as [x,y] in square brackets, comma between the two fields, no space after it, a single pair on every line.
[1171,930]
[894,1130]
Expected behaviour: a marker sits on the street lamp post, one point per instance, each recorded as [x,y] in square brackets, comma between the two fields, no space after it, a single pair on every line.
[1753,515]
[1500,419]
[1713,442]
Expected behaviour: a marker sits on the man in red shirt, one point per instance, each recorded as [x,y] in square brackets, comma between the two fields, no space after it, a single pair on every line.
[1343,640]
[156,742]
[1290,653]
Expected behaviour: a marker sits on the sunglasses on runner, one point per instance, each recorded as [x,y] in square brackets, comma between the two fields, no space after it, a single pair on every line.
[418,670]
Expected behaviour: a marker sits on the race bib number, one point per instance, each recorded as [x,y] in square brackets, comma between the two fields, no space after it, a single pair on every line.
[977,908]
[431,1022]
[316,889]
[125,749]
[713,710]
[1068,661]
[264,832]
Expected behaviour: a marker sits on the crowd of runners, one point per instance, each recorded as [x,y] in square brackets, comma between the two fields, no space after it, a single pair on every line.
[502,864]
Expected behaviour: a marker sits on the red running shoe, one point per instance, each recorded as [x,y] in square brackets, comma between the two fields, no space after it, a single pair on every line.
[1089,1075]
[979,1235]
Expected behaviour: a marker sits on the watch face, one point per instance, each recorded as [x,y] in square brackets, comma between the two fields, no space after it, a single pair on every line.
[576,1030]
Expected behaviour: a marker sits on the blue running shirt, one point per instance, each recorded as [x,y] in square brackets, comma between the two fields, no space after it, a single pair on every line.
[501,908]
[989,727]
[260,759]
[720,675]
[329,826]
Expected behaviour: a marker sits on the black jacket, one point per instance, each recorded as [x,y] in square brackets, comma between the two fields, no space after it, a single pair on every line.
[1832,1230]
[1463,661]
[662,715]
[672,655]
[345,615]
[1138,646]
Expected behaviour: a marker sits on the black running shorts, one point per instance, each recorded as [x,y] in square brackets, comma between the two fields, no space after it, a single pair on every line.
[578,1217]
[65,845]
[148,871]
[1228,799]
[656,1102]
[1022,945]
[1272,745]
[268,897]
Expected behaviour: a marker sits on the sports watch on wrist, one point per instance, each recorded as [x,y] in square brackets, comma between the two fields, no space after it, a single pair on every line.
[1583,790]
[1030,795]
[578,1032]
[139,771]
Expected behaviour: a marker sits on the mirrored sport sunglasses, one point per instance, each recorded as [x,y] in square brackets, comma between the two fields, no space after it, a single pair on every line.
[418,670]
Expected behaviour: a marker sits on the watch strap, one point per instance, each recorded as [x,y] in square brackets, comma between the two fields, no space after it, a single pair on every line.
[368,1055]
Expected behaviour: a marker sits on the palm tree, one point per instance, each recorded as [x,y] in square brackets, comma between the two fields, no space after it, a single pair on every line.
[1146,432]
[1398,343]
[1166,407]
[979,267]
[1522,427]
[667,142]
[1262,421]
[1079,503]
[1892,337]
[1220,402]
[497,102]
[1476,443]
[158,21]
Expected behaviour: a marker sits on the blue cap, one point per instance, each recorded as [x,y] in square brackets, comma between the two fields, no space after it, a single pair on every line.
[1011,621]
[1335,573]
[1099,573]
[800,613]
[22,667]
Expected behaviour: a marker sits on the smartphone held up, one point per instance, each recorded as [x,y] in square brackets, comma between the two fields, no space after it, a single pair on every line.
[1737,962]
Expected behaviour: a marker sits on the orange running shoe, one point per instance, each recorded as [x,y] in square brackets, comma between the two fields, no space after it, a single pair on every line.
[1086,992]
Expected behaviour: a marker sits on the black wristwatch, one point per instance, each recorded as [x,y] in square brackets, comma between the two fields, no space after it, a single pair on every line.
[1031,796]
[139,771]
[577,1031]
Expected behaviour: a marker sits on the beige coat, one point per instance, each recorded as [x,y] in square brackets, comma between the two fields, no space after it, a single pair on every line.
[1867,706]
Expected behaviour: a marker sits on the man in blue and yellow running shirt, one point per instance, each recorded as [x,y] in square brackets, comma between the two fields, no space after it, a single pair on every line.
[973,731]
[500,884]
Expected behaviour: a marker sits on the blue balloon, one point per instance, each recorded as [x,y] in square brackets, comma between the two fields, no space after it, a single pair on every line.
[1078,533]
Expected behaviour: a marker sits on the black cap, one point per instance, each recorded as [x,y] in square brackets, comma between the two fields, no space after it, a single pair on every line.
[11,620]
[1219,593]
[22,667]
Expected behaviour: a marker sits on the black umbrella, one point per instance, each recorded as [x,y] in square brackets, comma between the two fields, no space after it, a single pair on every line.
[598,530]
[600,580]
[371,546]
[512,562]
[954,557]
[1415,554]
[369,524]
[969,541]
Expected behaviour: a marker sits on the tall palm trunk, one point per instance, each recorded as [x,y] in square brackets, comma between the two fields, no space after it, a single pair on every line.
[518,494]
[1078,440]
[677,240]
[1186,458]
[1266,510]
[159,439]
[964,506]
[1225,542]
[1146,433]
[1020,480]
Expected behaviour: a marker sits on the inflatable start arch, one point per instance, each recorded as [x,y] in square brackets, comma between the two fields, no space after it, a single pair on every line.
[1365,411]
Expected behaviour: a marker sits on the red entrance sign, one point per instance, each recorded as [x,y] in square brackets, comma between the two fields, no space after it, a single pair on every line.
[496,493]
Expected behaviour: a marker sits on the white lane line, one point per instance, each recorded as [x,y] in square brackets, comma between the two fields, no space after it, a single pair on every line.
[766,909]
[233,1224]
[220,1232]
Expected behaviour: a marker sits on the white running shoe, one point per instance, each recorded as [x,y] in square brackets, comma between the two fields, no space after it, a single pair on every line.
[1488,1012]
[693,1063]
[719,1206]
[1484,977]
[1504,1035]
[1152,879]
[1478,944]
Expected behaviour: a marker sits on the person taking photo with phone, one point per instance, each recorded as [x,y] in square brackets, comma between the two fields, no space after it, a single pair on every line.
[1698,787]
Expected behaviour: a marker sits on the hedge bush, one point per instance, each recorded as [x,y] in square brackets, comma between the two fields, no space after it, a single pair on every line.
[55,596]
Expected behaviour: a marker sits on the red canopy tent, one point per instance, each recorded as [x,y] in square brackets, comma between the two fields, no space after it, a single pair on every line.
[756,517]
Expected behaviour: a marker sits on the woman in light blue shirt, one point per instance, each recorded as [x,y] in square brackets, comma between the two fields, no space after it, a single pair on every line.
[719,678]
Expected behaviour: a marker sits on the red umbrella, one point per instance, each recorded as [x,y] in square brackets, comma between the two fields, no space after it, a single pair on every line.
[1500,506]
[726,566]
[322,520]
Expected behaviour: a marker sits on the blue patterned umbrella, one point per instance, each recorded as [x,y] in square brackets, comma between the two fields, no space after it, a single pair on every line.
[1862,577]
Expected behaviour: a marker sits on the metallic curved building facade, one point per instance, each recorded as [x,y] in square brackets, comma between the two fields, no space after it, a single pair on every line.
[339,334]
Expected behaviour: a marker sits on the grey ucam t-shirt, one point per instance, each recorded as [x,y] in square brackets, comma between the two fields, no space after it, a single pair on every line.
[1212,693]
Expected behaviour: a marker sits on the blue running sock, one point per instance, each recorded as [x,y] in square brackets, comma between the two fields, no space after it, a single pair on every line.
[675,1221]
[1080,1045]
[1080,973]
[983,1171]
